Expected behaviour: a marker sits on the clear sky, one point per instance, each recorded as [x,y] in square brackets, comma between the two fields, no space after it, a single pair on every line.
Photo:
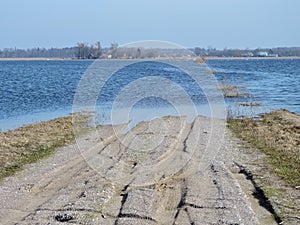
[190,23]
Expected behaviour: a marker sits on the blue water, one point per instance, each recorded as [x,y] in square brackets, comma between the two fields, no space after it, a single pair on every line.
[31,91]
[274,83]
[37,86]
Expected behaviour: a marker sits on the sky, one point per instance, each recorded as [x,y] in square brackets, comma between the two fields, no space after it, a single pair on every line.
[189,23]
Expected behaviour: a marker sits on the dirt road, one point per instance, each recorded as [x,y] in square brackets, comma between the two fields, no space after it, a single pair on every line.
[166,171]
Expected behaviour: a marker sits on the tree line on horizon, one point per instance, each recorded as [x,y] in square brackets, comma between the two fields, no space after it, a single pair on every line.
[280,51]
[90,51]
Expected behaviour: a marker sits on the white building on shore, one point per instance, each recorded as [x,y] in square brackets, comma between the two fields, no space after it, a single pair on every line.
[262,54]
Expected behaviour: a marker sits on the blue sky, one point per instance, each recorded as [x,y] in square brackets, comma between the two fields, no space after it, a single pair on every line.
[190,23]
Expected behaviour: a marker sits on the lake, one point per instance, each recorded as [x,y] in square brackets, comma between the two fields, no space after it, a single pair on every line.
[274,83]
[33,91]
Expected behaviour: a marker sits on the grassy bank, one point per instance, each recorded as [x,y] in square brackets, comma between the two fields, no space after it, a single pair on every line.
[277,135]
[32,142]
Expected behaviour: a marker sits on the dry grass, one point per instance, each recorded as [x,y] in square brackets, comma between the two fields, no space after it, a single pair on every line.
[30,143]
[278,135]
[249,104]
[230,91]
[200,60]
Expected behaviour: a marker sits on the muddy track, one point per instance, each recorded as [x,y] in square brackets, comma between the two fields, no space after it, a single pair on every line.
[164,172]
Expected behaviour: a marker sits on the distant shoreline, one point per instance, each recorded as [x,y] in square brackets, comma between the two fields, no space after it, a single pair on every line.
[247,58]
[208,58]
[35,59]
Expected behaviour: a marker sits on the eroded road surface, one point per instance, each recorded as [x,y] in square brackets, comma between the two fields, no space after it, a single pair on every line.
[166,171]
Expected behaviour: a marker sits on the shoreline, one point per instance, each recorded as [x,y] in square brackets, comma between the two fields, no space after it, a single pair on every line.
[250,58]
[166,58]
[37,59]
[45,117]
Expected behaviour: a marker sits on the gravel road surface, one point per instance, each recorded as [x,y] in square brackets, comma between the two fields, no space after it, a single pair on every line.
[166,171]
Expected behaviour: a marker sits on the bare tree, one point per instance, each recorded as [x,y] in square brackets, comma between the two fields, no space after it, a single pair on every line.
[113,49]
[99,49]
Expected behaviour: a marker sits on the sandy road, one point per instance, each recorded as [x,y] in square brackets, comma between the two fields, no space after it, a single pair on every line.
[163,172]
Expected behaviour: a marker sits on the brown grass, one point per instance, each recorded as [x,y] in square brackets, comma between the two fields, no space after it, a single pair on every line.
[200,60]
[30,143]
[278,135]
[249,104]
[230,91]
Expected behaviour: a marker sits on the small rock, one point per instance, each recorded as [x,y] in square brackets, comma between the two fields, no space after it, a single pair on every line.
[82,195]
[64,217]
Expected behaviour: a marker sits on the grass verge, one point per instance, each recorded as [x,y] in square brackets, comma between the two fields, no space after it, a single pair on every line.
[32,142]
[277,135]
